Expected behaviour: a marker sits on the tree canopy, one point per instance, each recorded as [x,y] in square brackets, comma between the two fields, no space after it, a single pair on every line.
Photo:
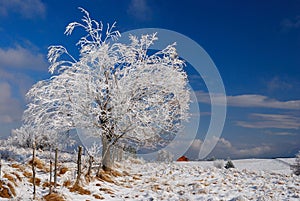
[123,92]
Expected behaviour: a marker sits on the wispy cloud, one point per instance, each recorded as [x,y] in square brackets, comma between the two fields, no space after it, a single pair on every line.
[10,108]
[22,58]
[21,81]
[249,100]
[26,8]
[225,148]
[277,83]
[140,9]
[280,133]
[291,23]
[281,121]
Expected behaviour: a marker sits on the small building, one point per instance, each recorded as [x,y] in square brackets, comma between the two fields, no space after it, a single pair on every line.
[183,158]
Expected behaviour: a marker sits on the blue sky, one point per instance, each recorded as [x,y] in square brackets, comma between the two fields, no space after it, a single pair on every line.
[254,44]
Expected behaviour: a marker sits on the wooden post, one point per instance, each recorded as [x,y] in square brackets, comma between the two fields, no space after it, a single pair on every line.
[50,185]
[91,160]
[0,165]
[79,165]
[55,167]
[33,170]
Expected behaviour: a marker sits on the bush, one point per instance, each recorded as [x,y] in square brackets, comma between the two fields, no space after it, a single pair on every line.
[165,156]
[229,164]
[219,163]
[211,159]
[296,166]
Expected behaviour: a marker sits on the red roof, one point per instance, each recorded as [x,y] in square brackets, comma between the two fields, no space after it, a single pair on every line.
[183,158]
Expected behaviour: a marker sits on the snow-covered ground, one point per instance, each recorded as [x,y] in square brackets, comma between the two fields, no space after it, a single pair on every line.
[252,179]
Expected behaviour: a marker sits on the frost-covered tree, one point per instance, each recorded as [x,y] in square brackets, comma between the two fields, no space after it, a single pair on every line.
[229,164]
[164,156]
[26,135]
[121,91]
[296,167]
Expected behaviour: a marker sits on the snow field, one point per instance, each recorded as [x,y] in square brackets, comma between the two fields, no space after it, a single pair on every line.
[252,179]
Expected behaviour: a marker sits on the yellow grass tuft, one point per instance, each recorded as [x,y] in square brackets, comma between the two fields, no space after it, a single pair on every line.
[104,176]
[63,170]
[18,166]
[53,197]
[80,190]
[10,178]
[37,181]
[17,175]
[47,184]
[39,164]
[67,183]
[27,174]
[107,190]
[7,190]
[99,197]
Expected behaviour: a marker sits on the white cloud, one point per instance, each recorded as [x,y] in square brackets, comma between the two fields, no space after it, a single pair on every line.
[10,108]
[249,100]
[281,121]
[27,8]
[21,81]
[276,84]
[254,151]
[13,87]
[14,63]
[280,133]
[291,23]
[225,148]
[140,9]
[22,58]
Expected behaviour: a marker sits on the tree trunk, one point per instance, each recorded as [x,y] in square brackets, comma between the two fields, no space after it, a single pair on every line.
[106,154]
[50,183]
[91,160]
[33,170]
[78,165]
[55,167]
[0,165]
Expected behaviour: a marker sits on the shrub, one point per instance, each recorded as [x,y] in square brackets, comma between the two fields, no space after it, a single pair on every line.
[165,156]
[219,164]
[229,164]
[296,166]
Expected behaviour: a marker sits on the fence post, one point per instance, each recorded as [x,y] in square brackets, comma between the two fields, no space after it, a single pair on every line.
[33,170]
[79,165]
[55,167]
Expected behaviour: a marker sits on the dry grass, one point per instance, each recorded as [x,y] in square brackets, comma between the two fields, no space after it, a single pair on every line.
[27,174]
[40,165]
[10,178]
[99,197]
[80,190]
[37,163]
[155,187]
[136,177]
[107,190]
[116,173]
[18,166]
[88,178]
[4,191]
[17,175]
[67,183]
[53,197]
[63,170]
[47,184]
[12,189]
[105,176]
[125,173]
[7,190]
[37,181]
